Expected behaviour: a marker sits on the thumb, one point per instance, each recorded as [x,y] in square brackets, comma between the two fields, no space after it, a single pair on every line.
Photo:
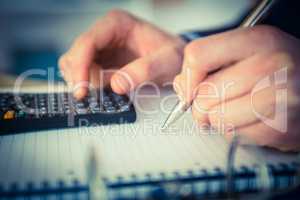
[163,64]
[132,74]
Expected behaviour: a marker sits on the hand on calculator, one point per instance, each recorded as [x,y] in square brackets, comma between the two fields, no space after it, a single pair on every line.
[136,50]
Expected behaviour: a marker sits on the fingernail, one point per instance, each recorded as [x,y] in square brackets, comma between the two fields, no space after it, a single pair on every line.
[180,95]
[70,84]
[80,93]
[185,66]
[122,83]
[178,88]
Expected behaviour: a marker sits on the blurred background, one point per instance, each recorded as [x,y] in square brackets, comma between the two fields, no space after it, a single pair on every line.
[34,33]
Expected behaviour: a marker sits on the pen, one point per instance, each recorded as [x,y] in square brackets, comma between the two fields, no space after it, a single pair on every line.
[255,16]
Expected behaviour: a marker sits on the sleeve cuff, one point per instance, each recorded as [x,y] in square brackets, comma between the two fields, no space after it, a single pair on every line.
[190,36]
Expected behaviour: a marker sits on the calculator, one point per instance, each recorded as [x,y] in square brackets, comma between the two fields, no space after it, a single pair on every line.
[26,112]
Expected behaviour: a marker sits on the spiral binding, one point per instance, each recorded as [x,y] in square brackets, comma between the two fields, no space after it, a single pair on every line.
[261,171]
[190,183]
[206,183]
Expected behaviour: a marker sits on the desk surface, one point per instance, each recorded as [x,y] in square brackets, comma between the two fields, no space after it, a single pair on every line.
[7,82]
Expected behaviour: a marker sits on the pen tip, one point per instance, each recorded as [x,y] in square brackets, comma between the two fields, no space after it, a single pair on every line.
[178,110]
[164,126]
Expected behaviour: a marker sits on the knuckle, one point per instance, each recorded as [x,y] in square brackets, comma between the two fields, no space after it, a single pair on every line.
[65,62]
[267,30]
[194,51]
[117,14]
[267,34]
[191,50]
[283,59]
[279,60]
[122,21]
[84,38]
[62,62]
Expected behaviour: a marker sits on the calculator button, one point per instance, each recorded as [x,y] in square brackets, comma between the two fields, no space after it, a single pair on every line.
[79,105]
[43,112]
[82,111]
[124,108]
[107,103]
[9,115]
[95,111]
[110,109]
[105,98]
[121,102]
[25,106]
[21,114]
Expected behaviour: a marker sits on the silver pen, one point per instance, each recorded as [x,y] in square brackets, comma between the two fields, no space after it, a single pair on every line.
[255,16]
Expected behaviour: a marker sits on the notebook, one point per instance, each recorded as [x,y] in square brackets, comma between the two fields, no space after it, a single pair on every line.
[136,160]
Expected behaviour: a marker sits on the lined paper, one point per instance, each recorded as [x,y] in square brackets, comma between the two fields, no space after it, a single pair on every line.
[47,157]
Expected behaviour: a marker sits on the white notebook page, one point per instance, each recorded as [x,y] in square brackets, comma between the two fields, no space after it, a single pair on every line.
[123,150]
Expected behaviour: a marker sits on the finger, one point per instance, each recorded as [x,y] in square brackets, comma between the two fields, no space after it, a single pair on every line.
[164,62]
[99,77]
[65,71]
[246,110]
[235,81]
[81,55]
[264,135]
[209,54]
[78,60]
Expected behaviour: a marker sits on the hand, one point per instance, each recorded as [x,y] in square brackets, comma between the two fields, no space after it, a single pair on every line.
[238,97]
[140,50]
